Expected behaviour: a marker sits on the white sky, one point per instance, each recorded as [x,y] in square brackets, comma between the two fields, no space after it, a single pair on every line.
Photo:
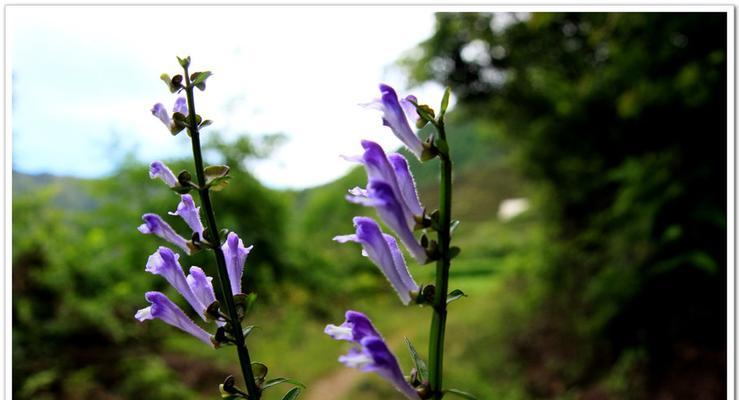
[85,77]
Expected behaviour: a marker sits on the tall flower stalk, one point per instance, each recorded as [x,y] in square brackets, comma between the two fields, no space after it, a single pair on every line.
[391,190]
[230,256]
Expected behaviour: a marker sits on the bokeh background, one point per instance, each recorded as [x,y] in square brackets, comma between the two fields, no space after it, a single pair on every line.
[590,180]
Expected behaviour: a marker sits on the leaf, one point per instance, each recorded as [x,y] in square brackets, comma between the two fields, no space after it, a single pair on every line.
[454,295]
[277,381]
[247,331]
[215,171]
[200,77]
[453,226]
[216,177]
[423,371]
[444,102]
[205,123]
[259,370]
[219,184]
[461,394]
[292,394]
[454,251]
[184,62]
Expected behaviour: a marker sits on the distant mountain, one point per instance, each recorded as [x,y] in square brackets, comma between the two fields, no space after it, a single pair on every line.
[64,191]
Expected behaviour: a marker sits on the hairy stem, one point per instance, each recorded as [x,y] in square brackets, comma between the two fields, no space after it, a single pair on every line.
[245,361]
[438,322]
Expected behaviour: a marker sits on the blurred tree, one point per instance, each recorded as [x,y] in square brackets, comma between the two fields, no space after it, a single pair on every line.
[620,120]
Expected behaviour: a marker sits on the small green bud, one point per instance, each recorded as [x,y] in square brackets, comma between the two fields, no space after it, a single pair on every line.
[184,62]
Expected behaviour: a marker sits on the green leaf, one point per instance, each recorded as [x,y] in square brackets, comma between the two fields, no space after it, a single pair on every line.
[205,123]
[454,251]
[444,102]
[244,303]
[277,381]
[462,394]
[423,371]
[184,62]
[454,295]
[200,77]
[219,184]
[215,171]
[259,370]
[453,226]
[247,331]
[292,394]
[216,177]
[425,112]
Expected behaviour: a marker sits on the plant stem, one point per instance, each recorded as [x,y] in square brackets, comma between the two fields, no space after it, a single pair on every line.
[245,361]
[438,322]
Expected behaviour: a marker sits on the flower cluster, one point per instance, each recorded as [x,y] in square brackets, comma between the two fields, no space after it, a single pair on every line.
[391,190]
[196,287]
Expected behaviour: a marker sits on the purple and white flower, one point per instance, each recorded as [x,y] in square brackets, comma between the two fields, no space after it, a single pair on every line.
[190,214]
[383,250]
[201,286]
[372,355]
[155,225]
[163,308]
[164,262]
[380,195]
[392,169]
[158,110]
[235,254]
[157,169]
[395,115]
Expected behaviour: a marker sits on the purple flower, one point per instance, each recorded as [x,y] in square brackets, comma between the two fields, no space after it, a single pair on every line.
[157,169]
[201,286]
[158,110]
[235,254]
[406,183]
[155,225]
[190,214]
[383,250]
[163,308]
[373,355]
[380,195]
[164,262]
[393,170]
[395,115]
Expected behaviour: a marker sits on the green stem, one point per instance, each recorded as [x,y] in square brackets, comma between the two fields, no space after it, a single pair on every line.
[438,322]
[244,359]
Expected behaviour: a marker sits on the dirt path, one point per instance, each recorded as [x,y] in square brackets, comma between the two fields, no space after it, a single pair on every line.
[335,386]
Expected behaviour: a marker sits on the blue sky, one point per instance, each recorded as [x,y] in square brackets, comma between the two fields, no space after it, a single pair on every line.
[85,77]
